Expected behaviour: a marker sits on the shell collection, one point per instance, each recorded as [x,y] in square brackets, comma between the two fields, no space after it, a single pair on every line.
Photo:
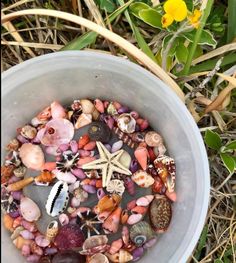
[83,167]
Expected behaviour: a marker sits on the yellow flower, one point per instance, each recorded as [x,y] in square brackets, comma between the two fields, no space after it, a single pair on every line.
[166,20]
[175,10]
[195,17]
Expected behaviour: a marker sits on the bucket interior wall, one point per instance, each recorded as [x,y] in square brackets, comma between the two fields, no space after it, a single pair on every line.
[66,77]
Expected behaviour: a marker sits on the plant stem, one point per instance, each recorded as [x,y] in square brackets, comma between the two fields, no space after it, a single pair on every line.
[206,13]
[231,34]
[169,45]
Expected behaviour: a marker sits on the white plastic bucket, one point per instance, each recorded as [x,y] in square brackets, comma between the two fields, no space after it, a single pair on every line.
[69,75]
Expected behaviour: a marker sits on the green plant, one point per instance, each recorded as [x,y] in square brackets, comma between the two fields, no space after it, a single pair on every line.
[226,151]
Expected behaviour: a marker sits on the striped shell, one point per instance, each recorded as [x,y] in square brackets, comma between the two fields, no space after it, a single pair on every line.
[142,178]
[140,233]
[57,199]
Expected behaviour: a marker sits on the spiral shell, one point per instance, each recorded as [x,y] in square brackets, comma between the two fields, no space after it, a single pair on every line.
[52,230]
[99,131]
[98,258]
[126,123]
[140,233]
[153,139]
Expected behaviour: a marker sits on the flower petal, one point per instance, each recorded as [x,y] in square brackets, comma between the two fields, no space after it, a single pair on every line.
[176,8]
[166,20]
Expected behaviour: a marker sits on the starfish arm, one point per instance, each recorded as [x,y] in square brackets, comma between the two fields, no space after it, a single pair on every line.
[109,174]
[96,164]
[103,152]
[117,155]
[119,168]
[104,175]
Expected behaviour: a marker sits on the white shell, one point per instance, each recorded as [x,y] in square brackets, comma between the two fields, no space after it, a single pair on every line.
[126,123]
[142,178]
[67,177]
[57,199]
[29,209]
[116,186]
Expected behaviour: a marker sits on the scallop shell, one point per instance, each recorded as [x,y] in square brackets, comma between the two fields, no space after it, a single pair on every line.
[52,230]
[142,178]
[29,209]
[116,187]
[140,233]
[57,199]
[160,213]
[153,139]
[126,123]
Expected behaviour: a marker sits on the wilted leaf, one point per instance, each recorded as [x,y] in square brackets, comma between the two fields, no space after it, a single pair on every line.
[212,140]
[151,17]
[136,7]
[219,99]
[228,161]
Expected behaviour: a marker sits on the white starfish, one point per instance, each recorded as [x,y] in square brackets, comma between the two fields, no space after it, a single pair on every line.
[108,163]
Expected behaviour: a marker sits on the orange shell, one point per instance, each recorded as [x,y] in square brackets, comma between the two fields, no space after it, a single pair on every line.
[45,114]
[49,166]
[124,217]
[108,203]
[45,177]
[141,154]
[139,210]
[8,222]
[83,140]
[111,224]
[98,183]
[20,184]
[6,173]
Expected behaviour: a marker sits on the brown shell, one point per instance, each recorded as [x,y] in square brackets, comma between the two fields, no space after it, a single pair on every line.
[108,203]
[160,213]
[52,230]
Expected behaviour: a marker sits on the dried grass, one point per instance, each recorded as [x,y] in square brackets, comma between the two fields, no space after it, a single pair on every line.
[41,35]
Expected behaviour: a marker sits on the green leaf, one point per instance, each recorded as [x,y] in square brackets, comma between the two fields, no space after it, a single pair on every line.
[107,5]
[212,140]
[136,7]
[201,243]
[81,42]
[138,36]
[231,34]
[151,17]
[228,161]
[231,145]
[189,4]
[198,52]
[181,53]
[173,47]
[206,38]
[218,261]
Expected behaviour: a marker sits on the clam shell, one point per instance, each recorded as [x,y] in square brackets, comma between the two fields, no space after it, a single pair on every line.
[58,199]
[125,159]
[126,123]
[140,233]
[32,156]
[29,209]
[142,179]
[160,213]
[153,139]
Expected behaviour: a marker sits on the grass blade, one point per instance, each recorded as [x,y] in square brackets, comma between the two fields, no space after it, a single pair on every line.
[139,38]
[201,243]
[90,37]
[206,13]
[231,34]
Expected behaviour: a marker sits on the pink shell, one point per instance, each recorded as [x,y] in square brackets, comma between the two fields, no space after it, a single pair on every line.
[63,219]
[41,241]
[26,234]
[29,209]
[67,177]
[25,251]
[145,200]
[99,105]
[57,110]
[134,218]
[32,156]
[56,132]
